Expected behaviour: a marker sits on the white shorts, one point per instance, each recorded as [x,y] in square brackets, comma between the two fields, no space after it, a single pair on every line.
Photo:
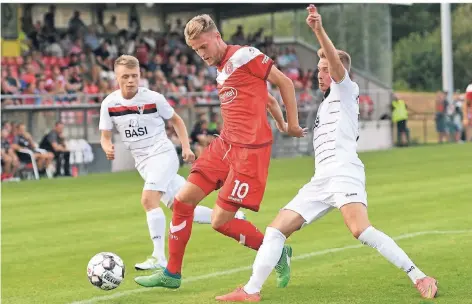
[321,195]
[158,171]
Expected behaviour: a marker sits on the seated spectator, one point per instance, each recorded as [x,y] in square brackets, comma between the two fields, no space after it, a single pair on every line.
[155,64]
[54,48]
[10,161]
[54,142]
[8,126]
[24,140]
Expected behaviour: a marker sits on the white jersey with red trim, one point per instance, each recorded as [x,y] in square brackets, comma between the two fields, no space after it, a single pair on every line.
[140,122]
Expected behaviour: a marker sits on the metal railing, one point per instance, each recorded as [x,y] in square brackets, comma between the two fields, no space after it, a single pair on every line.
[80,112]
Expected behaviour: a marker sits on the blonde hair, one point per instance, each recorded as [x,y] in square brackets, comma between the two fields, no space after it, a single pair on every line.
[198,25]
[127,61]
[344,56]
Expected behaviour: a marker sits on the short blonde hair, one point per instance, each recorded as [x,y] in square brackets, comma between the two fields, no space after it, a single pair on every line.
[127,61]
[198,25]
[344,56]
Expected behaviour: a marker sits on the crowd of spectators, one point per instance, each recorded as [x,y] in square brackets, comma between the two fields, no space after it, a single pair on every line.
[79,59]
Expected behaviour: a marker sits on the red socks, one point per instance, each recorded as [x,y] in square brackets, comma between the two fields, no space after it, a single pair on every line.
[180,231]
[242,231]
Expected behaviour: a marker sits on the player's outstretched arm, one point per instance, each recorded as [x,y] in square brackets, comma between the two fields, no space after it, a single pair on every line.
[275,111]
[287,90]
[336,68]
[181,130]
[107,144]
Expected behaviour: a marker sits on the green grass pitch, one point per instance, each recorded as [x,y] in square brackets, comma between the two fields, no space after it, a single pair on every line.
[51,228]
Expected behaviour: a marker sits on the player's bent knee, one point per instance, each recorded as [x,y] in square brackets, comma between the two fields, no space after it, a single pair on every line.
[356,218]
[190,194]
[287,222]
[150,199]
[357,231]
[222,215]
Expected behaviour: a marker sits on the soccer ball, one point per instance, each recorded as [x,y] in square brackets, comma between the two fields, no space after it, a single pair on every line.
[106,270]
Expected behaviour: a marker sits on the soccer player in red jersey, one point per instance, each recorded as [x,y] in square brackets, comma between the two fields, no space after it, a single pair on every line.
[237,162]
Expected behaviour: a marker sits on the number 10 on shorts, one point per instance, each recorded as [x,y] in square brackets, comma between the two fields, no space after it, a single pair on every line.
[240,189]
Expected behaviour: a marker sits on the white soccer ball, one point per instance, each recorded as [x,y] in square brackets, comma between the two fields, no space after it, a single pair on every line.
[106,270]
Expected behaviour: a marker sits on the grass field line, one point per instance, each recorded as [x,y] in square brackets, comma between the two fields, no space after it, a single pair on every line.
[240,269]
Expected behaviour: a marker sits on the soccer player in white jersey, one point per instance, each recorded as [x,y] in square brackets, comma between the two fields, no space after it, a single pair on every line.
[138,114]
[339,180]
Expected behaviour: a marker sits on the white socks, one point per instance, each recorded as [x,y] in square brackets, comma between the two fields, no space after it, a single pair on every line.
[202,215]
[266,259]
[156,220]
[390,250]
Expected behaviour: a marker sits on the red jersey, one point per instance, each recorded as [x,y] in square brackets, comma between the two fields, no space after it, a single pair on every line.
[242,91]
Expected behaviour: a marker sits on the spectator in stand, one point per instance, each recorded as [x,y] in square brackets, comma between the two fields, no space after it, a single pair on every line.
[142,53]
[9,127]
[105,87]
[10,161]
[306,96]
[76,25]
[49,19]
[29,76]
[30,90]
[91,88]
[40,89]
[238,36]
[66,42]
[10,86]
[24,140]
[155,64]
[55,143]
[143,81]
[91,40]
[111,27]
[77,47]
[54,48]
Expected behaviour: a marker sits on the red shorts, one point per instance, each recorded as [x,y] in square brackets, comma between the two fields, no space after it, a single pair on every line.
[240,172]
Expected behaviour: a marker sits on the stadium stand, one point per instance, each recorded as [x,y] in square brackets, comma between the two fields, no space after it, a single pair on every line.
[79,59]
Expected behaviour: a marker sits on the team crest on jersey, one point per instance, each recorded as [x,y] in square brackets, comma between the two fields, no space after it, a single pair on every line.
[133,123]
[317,122]
[141,109]
[229,68]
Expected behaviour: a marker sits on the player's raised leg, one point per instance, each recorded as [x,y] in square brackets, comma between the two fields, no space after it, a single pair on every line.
[356,219]
[242,231]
